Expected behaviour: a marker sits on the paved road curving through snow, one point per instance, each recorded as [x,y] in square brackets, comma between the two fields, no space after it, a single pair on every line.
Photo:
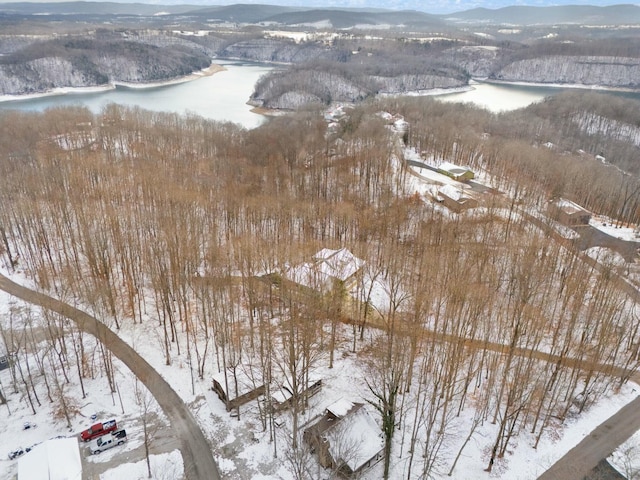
[196,452]
[600,443]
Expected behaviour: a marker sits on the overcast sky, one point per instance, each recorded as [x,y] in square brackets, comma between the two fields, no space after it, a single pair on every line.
[431,6]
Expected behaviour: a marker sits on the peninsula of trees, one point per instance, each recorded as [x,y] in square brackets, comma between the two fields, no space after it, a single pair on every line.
[324,55]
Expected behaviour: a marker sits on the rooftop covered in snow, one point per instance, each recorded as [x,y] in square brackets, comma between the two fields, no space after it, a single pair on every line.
[355,440]
[340,264]
[455,171]
[452,192]
[327,265]
[340,407]
[56,459]
[568,206]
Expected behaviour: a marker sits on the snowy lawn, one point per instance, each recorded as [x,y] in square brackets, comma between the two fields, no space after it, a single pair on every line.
[609,227]
[167,466]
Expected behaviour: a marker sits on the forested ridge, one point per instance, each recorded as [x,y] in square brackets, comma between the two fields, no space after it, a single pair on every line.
[320,63]
[191,225]
[80,61]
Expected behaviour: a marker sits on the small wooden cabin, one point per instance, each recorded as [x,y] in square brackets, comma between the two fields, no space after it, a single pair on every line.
[236,389]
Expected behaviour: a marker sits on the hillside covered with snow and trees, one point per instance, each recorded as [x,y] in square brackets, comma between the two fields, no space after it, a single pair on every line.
[281,284]
[325,55]
[368,286]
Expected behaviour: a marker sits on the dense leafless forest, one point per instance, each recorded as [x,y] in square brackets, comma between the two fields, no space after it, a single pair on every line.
[130,213]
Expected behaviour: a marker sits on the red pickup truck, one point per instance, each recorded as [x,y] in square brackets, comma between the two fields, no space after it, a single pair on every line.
[98,429]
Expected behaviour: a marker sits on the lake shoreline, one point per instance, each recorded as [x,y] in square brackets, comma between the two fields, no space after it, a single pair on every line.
[205,72]
[432,92]
[576,86]
[215,68]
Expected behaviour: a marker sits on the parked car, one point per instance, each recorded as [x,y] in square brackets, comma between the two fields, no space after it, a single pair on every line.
[108,441]
[16,453]
[98,430]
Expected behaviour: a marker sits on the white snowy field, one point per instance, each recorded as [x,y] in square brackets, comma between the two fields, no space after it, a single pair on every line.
[241,447]
[610,227]
[167,466]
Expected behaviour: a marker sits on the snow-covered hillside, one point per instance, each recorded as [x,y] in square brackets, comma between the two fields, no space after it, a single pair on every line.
[583,70]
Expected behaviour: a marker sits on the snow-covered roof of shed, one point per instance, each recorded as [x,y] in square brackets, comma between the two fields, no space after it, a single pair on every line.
[56,459]
[281,394]
[355,439]
[244,378]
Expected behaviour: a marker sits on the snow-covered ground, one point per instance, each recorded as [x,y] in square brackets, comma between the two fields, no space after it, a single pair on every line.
[626,458]
[606,256]
[167,466]
[610,227]
[241,447]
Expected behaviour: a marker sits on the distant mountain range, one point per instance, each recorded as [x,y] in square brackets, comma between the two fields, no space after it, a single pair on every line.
[431,6]
[335,12]
[567,14]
